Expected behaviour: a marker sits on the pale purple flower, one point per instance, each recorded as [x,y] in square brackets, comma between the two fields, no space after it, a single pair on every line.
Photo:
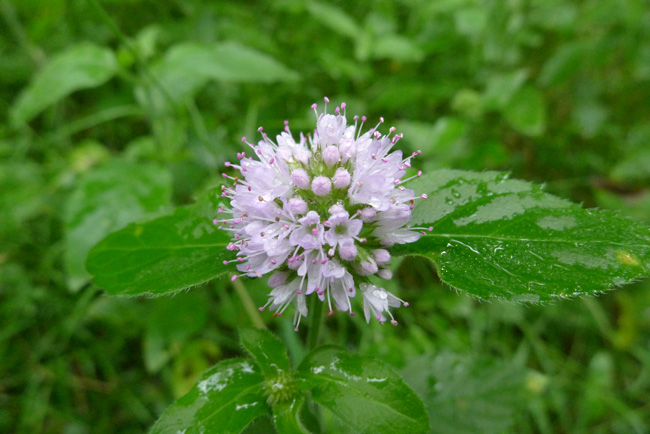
[376,301]
[342,228]
[319,214]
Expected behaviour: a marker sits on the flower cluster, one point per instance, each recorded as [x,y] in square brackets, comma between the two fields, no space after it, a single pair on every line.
[319,214]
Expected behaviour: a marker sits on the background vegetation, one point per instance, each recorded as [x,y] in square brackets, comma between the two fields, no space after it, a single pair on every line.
[117,112]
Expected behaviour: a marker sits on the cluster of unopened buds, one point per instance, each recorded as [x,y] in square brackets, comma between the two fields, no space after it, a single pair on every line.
[320,214]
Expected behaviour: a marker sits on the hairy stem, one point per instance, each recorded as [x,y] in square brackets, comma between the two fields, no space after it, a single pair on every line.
[249,306]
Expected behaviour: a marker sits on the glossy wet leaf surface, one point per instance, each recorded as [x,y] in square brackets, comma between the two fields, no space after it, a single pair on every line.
[365,394]
[496,237]
[163,255]
[226,399]
[268,351]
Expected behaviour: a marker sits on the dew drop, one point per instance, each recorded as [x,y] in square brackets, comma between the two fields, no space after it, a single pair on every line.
[482,188]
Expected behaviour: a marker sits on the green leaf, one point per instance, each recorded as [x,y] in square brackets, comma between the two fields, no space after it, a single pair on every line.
[268,351]
[466,394]
[334,18]
[187,67]
[633,167]
[366,394]
[496,237]
[81,66]
[104,200]
[445,139]
[22,187]
[286,418]
[398,48]
[226,399]
[526,111]
[171,321]
[501,88]
[565,63]
[163,255]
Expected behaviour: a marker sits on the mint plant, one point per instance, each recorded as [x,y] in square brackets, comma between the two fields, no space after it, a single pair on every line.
[322,216]
[319,214]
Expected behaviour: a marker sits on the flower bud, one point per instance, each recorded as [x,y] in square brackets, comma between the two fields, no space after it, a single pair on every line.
[331,155]
[382,257]
[367,215]
[385,274]
[348,251]
[321,185]
[367,267]
[297,206]
[300,178]
[341,178]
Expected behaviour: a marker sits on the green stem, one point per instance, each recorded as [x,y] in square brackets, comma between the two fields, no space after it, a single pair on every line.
[316,315]
[15,26]
[249,306]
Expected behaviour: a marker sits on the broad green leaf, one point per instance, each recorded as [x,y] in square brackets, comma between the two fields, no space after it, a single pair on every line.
[226,399]
[496,237]
[364,393]
[189,66]
[104,200]
[268,351]
[261,425]
[81,66]
[526,111]
[286,418]
[164,255]
[465,394]
[334,18]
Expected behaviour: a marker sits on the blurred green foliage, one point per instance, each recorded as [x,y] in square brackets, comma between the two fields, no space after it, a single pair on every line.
[111,113]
